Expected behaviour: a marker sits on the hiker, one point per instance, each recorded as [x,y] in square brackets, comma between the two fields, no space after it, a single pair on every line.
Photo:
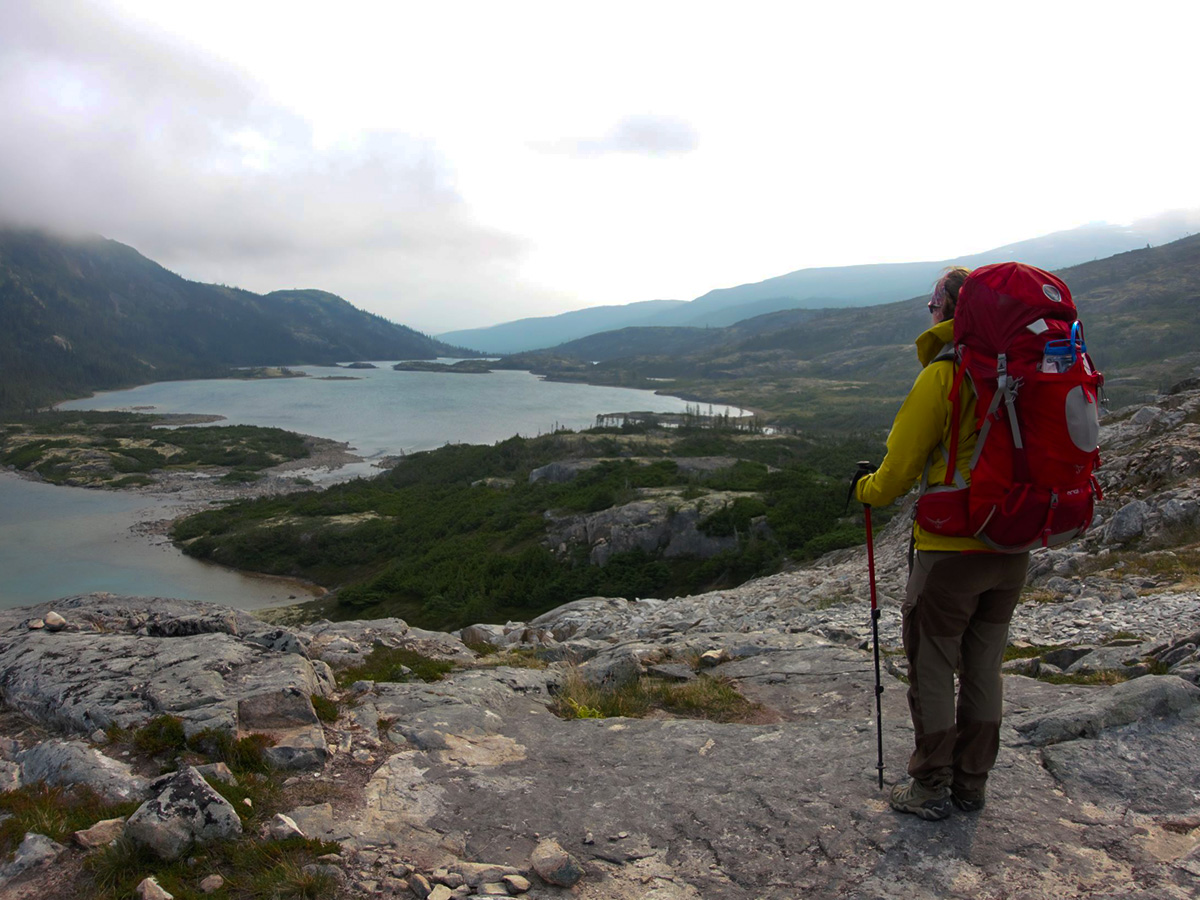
[960,594]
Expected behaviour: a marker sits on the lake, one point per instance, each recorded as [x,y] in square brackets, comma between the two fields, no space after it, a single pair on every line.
[60,541]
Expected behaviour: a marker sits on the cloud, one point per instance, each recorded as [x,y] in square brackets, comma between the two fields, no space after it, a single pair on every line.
[642,135]
[146,140]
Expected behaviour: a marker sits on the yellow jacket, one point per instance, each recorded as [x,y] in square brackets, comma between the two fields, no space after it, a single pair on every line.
[922,426]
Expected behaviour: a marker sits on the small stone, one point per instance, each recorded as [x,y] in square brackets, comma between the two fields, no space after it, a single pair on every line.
[35,624]
[419,885]
[217,772]
[282,827]
[247,801]
[400,870]
[516,884]
[450,879]
[102,833]
[211,884]
[150,889]
[99,736]
[555,865]
[711,658]
[476,874]
[440,892]
[494,887]
[55,622]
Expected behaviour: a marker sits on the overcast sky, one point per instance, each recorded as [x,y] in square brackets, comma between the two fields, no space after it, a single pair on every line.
[451,165]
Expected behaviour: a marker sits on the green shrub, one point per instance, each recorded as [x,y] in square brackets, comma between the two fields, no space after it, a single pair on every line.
[241,755]
[163,734]
[734,518]
[56,812]
[132,481]
[326,709]
[388,664]
[26,455]
[241,476]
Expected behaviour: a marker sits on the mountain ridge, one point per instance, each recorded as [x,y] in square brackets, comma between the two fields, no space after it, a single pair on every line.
[838,286]
[89,313]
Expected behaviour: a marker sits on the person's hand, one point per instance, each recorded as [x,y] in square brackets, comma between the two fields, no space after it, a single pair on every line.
[865,468]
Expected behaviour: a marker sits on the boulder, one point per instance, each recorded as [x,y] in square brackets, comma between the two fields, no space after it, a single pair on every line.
[484,634]
[35,851]
[1152,696]
[68,763]
[1128,522]
[555,865]
[101,834]
[288,717]
[185,811]
[612,669]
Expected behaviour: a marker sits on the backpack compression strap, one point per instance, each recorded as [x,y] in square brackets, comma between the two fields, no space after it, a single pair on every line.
[952,475]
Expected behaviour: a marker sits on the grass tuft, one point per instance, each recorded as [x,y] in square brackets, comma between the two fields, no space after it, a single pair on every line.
[705,697]
[1105,677]
[161,735]
[390,664]
[326,709]
[243,755]
[56,812]
[1030,651]
[253,870]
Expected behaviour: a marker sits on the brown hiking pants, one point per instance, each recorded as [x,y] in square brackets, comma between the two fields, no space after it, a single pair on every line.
[955,619]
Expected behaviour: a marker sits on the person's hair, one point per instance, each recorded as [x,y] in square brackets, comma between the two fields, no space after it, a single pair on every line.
[947,287]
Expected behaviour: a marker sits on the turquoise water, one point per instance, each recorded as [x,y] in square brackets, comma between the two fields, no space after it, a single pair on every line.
[384,412]
[60,541]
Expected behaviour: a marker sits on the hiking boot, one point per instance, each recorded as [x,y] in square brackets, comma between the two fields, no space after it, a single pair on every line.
[928,803]
[967,799]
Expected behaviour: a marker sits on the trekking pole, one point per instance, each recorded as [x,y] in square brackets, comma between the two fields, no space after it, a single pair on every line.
[875,631]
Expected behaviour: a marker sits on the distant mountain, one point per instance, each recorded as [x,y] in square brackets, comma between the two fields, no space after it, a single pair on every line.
[546,331]
[833,287]
[1139,310]
[91,314]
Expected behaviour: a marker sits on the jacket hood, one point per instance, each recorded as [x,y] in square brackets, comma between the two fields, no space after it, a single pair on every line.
[931,342]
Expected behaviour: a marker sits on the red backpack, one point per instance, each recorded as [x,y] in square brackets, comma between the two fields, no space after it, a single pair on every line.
[1016,336]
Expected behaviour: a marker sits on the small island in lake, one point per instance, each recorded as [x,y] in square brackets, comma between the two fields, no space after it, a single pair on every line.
[464,366]
[269,372]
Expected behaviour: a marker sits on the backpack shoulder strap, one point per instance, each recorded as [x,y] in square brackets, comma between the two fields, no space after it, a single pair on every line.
[960,370]
[946,353]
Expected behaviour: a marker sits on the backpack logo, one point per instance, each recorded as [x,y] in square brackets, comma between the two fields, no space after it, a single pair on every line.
[1052,292]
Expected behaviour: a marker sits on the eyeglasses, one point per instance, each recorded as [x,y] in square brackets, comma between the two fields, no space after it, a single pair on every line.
[934,306]
[938,300]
